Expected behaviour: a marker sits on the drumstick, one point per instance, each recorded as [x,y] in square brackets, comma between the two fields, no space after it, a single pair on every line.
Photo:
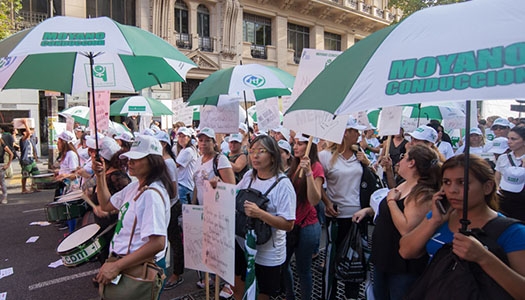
[86,198]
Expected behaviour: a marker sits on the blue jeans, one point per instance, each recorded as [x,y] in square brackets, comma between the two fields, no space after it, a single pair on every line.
[392,286]
[308,241]
[185,194]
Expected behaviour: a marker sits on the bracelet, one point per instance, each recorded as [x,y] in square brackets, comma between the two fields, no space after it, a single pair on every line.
[309,174]
[389,200]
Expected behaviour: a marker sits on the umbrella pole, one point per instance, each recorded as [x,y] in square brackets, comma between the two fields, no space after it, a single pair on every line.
[246,108]
[465,221]
[91,57]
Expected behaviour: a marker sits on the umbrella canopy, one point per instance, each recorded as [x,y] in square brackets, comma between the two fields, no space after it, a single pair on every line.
[451,52]
[138,106]
[79,113]
[435,112]
[249,82]
[58,55]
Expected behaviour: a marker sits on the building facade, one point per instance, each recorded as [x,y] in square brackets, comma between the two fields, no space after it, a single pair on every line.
[215,34]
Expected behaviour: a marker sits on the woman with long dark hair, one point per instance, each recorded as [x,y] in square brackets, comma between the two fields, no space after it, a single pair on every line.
[145,203]
[308,191]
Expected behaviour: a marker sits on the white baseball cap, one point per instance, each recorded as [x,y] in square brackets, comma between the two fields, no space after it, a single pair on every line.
[302,138]
[425,133]
[163,137]
[207,132]
[499,145]
[512,179]
[243,127]
[285,146]
[500,122]
[143,146]
[67,136]
[284,131]
[352,123]
[184,130]
[236,137]
[107,146]
[475,130]
[148,131]
[125,136]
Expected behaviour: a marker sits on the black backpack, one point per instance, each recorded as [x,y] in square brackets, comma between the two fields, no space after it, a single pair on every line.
[449,277]
[243,222]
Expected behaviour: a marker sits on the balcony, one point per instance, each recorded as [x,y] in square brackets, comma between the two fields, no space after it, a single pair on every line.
[30,19]
[206,44]
[258,51]
[183,41]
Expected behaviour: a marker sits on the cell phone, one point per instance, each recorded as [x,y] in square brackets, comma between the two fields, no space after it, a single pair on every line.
[443,205]
[335,207]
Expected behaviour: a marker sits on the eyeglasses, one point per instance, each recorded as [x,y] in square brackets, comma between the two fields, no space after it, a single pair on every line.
[259,151]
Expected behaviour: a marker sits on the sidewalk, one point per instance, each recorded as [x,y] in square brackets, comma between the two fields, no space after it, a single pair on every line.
[15,182]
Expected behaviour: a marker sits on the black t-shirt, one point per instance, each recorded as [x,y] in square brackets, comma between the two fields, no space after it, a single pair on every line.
[132,123]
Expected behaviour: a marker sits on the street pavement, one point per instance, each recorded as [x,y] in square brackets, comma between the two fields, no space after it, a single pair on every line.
[32,277]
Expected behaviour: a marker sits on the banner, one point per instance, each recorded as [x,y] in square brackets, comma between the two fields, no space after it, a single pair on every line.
[102,111]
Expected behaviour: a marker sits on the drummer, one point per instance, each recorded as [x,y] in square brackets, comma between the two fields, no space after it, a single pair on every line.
[149,207]
[116,179]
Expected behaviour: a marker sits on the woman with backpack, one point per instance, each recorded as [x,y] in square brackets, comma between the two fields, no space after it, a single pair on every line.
[401,210]
[303,240]
[266,170]
[442,226]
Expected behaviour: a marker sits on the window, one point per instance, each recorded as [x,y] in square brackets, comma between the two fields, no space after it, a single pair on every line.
[122,11]
[181,25]
[258,31]
[203,28]
[298,39]
[36,11]
[332,41]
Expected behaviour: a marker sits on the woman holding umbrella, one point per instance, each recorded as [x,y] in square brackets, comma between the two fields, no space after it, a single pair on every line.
[438,229]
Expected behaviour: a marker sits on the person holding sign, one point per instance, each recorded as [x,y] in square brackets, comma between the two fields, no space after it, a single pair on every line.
[303,240]
[265,158]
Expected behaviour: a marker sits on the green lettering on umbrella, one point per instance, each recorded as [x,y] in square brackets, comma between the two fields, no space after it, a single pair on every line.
[137,108]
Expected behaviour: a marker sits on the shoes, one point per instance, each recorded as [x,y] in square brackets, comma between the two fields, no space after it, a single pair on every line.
[4,201]
[201,284]
[63,227]
[172,285]
[226,292]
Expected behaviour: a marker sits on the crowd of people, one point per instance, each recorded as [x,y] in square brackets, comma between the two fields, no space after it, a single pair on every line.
[139,182]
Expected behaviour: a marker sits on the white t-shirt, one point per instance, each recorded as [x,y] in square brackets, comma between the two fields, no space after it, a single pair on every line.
[204,171]
[187,159]
[343,181]
[503,161]
[473,150]
[153,215]
[69,164]
[445,148]
[172,170]
[282,203]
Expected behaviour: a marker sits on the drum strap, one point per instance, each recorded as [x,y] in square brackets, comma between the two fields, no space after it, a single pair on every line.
[142,190]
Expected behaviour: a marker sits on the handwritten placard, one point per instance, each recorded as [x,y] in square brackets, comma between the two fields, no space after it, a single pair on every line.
[193,220]
[181,111]
[390,120]
[219,230]
[223,119]
[268,115]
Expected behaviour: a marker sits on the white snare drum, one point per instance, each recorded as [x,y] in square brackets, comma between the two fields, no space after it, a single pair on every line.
[81,245]
[74,195]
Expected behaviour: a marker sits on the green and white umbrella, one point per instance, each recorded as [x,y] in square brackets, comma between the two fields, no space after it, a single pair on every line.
[470,50]
[63,53]
[138,106]
[79,113]
[250,287]
[249,82]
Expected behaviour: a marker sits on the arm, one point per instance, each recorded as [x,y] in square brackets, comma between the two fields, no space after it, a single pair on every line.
[408,219]
[239,163]
[102,187]
[386,163]
[110,270]
[329,206]
[361,214]
[27,131]
[412,244]
[498,177]
[227,175]
[10,153]
[512,278]
[313,185]
[252,210]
